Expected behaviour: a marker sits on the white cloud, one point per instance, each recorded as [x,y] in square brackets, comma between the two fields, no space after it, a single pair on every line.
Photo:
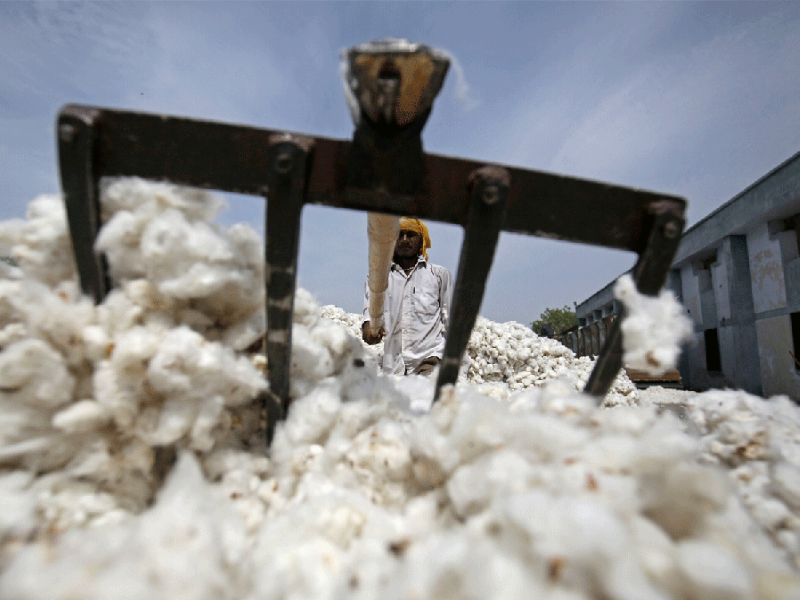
[463,91]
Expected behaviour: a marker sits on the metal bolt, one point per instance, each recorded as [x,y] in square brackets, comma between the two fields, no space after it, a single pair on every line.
[491,194]
[670,230]
[283,164]
[66,132]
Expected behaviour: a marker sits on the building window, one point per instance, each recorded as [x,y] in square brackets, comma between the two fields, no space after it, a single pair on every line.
[796,339]
[713,357]
[787,232]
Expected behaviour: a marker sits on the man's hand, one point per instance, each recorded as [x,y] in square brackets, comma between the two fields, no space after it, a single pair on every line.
[368,337]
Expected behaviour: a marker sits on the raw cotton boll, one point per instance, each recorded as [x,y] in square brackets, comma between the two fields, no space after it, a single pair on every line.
[201,279]
[208,414]
[224,463]
[340,342]
[70,504]
[194,319]
[92,459]
[313,416]
[657,553]
[246,332]
[473,485]
[186,364]
[786,483]
[13,332]
[351,321]
[304,565]
[81,416]
[634,422]
[33,373]
[120,240]
[9,309]
[627,580]
[185,546]
[558,397]
[306,309]
[167,425]
[97,343]
[652,329]
[17,503]
[742,438]
[143,293]
[551,522]
[771,514]
[476,427]
[447,565]
[56,316]
[711,572]
[8,270]
[40,245]
[118,395]
[311,361]
[335,339]
[148,198]
[187,259]
[718,406]
[134,348]
[382,450]
[248,248]
[417,394]
[665,443]
[359,377]
[118,314]
[677,500]
[171,244]
[611,452]
[320,348]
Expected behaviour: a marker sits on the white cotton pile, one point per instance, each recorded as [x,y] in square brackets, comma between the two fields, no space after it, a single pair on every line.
[132,464]
[653,328]
[757,443]
[506,357]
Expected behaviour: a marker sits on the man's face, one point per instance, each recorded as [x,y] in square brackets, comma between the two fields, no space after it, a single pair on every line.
[409,244]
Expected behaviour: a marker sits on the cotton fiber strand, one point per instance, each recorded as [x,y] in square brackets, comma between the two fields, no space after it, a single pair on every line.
[133,465]
[653,328]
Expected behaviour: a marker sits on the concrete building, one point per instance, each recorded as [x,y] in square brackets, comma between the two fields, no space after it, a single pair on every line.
[737,273]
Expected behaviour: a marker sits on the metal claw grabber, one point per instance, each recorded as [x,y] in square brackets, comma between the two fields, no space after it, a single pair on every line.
[390,87]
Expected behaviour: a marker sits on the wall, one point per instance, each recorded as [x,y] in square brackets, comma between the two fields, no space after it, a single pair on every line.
[766,270]
[737,319]
[778,372]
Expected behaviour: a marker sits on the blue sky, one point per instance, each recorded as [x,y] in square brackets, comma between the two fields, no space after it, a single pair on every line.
[693,99]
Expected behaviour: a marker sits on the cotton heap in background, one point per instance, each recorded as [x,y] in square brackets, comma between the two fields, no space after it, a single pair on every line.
[132,460]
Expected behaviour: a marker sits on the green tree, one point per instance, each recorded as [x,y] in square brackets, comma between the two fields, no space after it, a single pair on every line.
[560,319]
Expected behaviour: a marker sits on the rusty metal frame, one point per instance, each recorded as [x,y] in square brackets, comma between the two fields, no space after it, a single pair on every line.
[292,170]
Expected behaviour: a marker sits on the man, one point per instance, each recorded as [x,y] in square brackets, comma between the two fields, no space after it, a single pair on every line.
[417,305]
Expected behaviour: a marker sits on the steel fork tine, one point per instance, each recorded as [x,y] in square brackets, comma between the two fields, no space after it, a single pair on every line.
[487,212]
[76,132]
[286,180]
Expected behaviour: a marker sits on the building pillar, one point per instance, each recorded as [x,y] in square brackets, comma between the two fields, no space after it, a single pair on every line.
[737,330]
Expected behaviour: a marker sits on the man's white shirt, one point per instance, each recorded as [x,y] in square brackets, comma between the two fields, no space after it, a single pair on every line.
[415,313]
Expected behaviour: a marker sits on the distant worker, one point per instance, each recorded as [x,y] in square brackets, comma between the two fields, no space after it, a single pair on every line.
[417,306]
